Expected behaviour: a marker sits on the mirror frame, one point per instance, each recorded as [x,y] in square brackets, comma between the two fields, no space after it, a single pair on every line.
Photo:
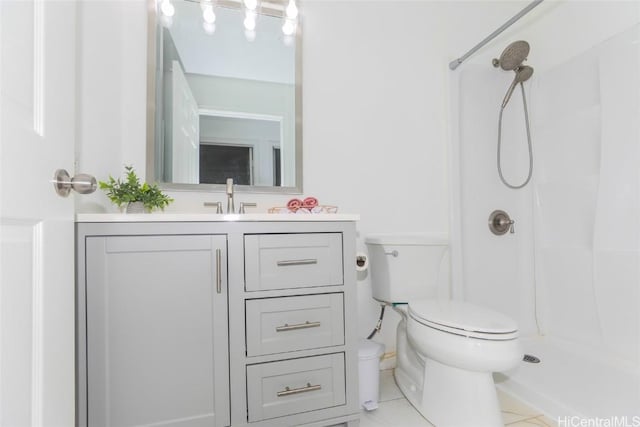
[267,8]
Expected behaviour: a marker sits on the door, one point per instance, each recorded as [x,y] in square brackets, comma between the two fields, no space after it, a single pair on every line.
[156,332]
[185,141]
[37,125]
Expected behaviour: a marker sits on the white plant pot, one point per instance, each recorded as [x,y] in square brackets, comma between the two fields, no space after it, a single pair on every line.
[135,208]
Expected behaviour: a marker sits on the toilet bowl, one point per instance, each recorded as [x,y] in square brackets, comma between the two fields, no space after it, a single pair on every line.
[459,362]
[446,350]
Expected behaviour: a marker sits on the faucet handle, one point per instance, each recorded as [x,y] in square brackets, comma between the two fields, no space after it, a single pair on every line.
[218,206]
[246,205]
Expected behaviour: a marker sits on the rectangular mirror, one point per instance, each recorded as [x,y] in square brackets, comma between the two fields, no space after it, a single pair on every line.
[224,101]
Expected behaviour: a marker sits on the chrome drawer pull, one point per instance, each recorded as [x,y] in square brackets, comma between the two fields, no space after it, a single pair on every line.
[289,391]
[304,325]
[297,262]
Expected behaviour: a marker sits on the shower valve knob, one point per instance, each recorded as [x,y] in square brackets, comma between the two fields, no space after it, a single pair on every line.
[500,223]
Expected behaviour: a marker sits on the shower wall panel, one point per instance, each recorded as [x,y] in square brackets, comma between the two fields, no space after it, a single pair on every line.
[587,198]
[498,270]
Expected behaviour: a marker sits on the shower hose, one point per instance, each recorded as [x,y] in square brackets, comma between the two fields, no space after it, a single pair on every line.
[526,120]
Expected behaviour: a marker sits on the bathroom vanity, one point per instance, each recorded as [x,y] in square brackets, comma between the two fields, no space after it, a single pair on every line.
[216,320]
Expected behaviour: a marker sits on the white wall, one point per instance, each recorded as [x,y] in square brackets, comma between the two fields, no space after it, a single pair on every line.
[111,96]
[375,102]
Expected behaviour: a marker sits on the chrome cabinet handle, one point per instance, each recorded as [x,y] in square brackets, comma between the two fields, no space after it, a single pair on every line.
[288,262]
[289,391]
[218,272]
[304,325]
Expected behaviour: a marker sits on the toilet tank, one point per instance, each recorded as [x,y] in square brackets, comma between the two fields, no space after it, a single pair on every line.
[408,266]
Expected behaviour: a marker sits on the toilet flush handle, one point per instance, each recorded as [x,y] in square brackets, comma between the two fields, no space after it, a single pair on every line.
[393,253]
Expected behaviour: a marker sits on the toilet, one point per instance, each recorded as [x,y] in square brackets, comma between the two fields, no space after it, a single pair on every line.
[446,350]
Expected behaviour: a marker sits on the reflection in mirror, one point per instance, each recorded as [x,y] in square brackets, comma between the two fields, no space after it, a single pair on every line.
[227,99]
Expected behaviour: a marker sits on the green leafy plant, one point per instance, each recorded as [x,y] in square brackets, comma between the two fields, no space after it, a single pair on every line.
[129,190]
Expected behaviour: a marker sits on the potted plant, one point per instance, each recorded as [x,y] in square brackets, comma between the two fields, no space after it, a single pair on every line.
[136,197]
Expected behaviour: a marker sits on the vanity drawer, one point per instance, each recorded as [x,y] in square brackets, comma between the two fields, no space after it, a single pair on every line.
[278,325]
[281,261]
[289,387]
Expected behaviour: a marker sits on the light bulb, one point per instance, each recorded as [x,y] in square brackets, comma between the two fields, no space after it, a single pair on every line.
[251,4]
[289,27]
[291,10]
[250,35]
[209,15]
[167,8]
[209,28]
[250,23]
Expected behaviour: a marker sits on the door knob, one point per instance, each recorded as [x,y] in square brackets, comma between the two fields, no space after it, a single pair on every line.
[82,183]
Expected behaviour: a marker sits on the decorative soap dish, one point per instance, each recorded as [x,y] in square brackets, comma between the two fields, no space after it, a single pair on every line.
[320,209]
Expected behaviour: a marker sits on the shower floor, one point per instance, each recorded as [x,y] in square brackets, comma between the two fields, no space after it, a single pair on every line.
[572,382]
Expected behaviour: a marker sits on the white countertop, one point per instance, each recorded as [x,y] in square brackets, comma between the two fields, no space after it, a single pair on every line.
[207,217]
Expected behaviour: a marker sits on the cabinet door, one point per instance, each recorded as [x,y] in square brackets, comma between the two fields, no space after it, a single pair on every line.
[157,332]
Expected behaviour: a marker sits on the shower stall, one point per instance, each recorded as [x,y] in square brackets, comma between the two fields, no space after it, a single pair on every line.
[570,272]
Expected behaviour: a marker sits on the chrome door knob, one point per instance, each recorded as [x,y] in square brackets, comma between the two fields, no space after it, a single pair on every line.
[82,183]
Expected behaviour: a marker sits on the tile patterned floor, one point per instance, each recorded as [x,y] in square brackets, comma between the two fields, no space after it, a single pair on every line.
[395,411]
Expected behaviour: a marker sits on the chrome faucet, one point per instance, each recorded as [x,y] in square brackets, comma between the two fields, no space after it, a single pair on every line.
[230,207]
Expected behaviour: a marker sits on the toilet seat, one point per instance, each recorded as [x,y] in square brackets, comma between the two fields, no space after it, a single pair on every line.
[463,318]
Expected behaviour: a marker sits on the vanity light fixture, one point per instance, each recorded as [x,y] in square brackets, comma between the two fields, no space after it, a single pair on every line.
[167,8]
[208,14]
[290,19]
[289,27]
[291,10]
[250,18]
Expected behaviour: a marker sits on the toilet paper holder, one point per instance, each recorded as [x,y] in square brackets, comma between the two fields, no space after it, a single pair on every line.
[362,262]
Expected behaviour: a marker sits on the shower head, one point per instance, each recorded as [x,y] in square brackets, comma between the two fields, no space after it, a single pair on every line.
[523,73]
[513,56]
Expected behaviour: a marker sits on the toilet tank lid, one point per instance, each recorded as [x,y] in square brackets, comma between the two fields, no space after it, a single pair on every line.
[417,239]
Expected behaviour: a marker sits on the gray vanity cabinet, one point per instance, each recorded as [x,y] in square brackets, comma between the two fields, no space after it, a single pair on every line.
[156,319]
[204,323]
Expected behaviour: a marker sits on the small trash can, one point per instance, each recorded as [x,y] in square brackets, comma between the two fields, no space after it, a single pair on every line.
[369,353]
